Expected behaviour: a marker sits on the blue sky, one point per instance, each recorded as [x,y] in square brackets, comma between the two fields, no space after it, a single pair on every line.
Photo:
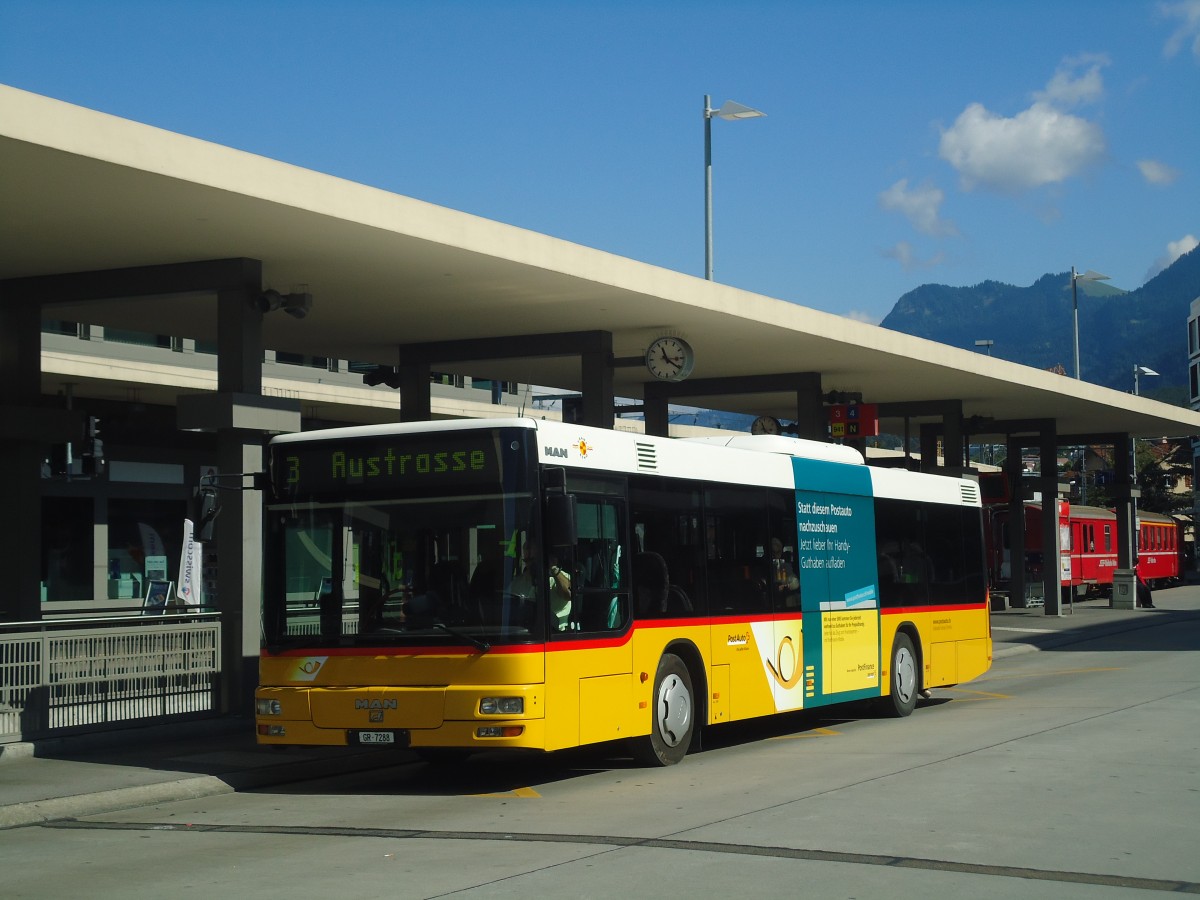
[904,143]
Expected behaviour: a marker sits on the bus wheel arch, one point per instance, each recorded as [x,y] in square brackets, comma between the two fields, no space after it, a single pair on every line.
[675,707]
[905,670]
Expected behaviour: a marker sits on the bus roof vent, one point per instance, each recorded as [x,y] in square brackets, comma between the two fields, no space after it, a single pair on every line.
[647,457]
[970,491]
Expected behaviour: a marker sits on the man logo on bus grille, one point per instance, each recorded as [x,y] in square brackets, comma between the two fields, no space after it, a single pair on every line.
[375,704]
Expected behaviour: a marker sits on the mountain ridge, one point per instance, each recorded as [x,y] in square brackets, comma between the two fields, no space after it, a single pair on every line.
[1033,325]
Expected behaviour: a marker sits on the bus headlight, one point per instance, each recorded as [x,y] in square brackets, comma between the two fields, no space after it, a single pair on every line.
[502,706]
[268,707]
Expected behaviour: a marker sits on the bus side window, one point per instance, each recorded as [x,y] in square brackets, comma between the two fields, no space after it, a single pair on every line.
[738,549]
[667,523]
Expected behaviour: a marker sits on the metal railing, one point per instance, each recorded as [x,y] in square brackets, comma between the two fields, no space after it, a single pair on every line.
[90,674]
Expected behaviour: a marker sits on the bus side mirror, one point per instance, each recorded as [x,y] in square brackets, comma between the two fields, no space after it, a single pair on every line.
[561,521]
[204,513]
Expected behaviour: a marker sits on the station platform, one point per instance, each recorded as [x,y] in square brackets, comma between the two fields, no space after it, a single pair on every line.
[97,773]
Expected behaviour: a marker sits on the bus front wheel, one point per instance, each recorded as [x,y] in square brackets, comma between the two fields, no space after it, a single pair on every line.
[673,715]
[905,678]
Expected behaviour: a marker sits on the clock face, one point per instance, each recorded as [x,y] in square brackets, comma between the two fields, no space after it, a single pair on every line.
[766,425]
[670,359]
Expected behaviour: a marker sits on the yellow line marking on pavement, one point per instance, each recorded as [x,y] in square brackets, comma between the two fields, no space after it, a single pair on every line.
[816,732]
[524,793]
[983,695]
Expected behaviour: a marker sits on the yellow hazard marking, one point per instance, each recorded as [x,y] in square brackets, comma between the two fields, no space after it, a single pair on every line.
[815,732]
[525,793]
[982,695]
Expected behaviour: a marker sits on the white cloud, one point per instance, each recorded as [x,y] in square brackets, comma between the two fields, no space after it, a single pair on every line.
[858,315]
[1188,32]
[902,253]
[1156,172]
[1067,88]
[920,205]
[905,254]
[1175,249]
[1038,146]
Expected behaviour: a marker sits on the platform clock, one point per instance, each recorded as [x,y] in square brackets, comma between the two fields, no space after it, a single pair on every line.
[670,359]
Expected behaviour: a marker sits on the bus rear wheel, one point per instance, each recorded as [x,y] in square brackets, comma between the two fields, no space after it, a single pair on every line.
[673,716]
[905,678]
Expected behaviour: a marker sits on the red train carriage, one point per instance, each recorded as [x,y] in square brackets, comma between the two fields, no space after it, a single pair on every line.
[999,562]
[1094,553]
[1160,545]
[1087,547]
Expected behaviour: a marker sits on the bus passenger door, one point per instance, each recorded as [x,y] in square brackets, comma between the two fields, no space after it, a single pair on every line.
[590,664]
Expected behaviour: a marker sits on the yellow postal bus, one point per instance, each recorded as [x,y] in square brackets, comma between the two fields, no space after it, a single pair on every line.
[470,585]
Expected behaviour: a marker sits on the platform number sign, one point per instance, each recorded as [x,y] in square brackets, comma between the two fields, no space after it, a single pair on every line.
[854,420]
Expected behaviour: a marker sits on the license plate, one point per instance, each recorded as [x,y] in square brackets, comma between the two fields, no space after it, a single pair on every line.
[376,737]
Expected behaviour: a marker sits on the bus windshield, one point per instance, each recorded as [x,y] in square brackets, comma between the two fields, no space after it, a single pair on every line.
[384,572]
[388,562]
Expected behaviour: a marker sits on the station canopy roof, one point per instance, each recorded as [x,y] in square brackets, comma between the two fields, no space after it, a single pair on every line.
[86,191]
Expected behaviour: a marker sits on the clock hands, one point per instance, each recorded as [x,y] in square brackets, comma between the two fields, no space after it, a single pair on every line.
[669,358]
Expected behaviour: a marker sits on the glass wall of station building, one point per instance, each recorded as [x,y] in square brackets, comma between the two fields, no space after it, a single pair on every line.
[107,532]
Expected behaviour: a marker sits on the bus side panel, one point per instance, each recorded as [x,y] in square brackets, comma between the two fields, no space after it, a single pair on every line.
[589,693]
[746,651]
[955,645]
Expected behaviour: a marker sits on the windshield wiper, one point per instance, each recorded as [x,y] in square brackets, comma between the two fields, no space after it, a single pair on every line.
[481,646]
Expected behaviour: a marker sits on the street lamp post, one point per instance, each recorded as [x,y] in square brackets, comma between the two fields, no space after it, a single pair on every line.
[986,343]
[1089,275]
[1140,370]
[728,110]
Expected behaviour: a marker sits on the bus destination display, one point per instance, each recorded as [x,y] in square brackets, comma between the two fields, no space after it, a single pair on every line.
[387,463]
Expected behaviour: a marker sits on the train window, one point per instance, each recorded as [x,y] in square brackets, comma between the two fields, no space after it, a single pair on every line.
[1108,539]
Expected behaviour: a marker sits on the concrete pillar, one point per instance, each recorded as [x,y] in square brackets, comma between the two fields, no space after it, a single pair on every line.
[239,532]
[930,432]
[657,416]
[1126,508]
[1016,523]
[953,445]
[598,399]
[812,421]
[416,404]
[1048,451]
[20,461]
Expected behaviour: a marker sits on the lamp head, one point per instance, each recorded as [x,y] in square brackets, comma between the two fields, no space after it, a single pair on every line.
[295,305]
[733,110]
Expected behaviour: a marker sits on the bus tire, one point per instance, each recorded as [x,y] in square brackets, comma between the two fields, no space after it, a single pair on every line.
[905,678]
[673,715]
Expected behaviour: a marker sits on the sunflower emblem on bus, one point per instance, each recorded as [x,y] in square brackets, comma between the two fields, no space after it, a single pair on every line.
[583,447]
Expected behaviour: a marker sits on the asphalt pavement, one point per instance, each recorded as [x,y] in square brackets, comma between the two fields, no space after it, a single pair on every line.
[92,774]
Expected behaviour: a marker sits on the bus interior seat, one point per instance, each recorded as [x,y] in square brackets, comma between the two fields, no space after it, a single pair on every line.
[651,583]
